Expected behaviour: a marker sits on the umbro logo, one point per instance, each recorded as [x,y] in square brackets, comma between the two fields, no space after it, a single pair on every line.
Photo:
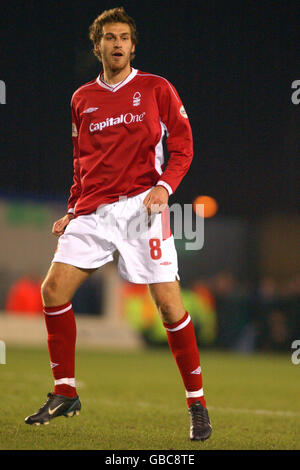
[53,364]
[197,371]
[90,110]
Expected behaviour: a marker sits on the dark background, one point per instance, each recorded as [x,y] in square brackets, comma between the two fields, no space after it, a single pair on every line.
[232,63]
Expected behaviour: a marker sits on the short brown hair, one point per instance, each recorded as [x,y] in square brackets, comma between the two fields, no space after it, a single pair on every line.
[115,15]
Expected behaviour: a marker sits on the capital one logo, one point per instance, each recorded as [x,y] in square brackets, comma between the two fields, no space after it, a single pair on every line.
[2,92]
[127,118]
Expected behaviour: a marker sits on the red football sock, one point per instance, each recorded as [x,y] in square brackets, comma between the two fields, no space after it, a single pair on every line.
[183,344]
[61,327]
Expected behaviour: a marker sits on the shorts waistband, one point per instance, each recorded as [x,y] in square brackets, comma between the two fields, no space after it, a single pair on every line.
[122,199]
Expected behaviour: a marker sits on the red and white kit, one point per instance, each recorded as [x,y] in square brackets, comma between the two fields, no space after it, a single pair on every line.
[118,158]
[118,136]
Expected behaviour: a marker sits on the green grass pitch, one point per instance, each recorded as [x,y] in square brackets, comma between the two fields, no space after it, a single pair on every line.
[136,400]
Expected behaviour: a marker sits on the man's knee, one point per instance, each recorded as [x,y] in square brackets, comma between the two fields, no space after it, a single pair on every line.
[49,289]
[61,283]
[170,310]
[164,306]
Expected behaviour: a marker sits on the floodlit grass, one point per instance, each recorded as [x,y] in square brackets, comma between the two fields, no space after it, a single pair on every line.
[135,400]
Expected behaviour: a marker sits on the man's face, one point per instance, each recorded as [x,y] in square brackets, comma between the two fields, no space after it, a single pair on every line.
[116,46]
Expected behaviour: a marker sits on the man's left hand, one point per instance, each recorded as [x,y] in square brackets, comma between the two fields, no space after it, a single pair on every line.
[156,200]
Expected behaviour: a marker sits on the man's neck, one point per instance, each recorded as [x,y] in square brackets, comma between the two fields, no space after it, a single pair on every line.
[111,76]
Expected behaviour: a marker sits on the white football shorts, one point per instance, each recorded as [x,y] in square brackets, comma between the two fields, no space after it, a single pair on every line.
[146,247]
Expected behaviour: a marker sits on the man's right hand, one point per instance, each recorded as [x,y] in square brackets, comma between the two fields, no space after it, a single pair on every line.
[60,225]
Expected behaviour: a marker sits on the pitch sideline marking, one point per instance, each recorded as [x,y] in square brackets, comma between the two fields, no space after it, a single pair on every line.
[285,414]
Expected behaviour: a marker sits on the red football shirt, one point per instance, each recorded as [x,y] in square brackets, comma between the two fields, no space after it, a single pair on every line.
[117,139]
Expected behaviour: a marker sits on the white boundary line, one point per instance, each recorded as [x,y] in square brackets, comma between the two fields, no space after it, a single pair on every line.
[284,414]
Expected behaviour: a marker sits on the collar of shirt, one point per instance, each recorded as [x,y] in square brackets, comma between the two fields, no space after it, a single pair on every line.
[115,86]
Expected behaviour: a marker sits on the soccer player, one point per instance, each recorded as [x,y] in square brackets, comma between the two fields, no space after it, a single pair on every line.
[119,121]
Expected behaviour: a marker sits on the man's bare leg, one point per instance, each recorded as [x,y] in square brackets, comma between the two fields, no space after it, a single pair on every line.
[168,300]
[183,345]
[58,288]
[61,283]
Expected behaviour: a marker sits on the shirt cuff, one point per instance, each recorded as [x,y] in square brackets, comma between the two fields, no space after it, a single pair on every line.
[165,185]
[71,210]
